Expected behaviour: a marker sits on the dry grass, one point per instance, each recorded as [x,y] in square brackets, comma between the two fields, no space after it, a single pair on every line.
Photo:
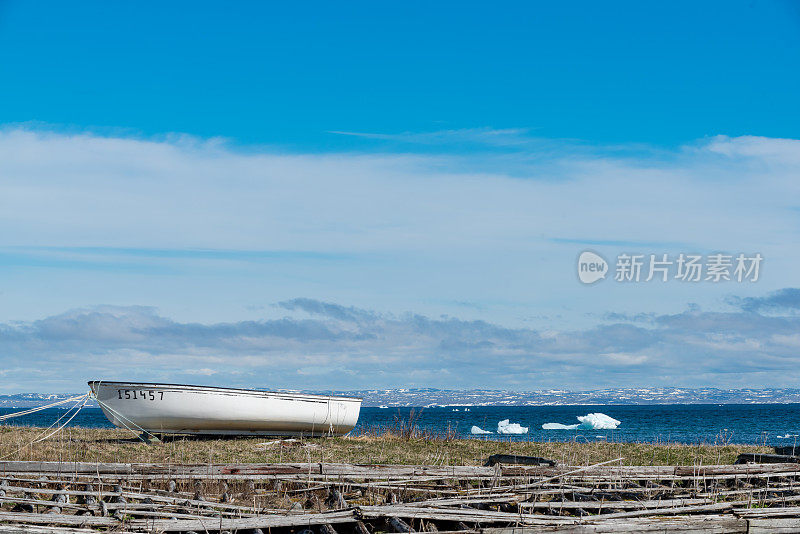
[112,445]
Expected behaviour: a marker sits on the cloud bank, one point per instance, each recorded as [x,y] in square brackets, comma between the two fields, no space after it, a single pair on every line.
[324,344]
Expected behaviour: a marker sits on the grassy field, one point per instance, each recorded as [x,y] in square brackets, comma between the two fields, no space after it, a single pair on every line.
[111,445]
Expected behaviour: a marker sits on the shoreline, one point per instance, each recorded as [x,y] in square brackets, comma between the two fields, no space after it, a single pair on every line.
[384,447]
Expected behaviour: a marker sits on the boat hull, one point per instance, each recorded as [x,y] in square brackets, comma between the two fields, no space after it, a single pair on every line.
[184,409]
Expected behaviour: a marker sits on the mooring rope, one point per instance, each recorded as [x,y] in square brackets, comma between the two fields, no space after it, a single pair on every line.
[81,401]
[120,418]
[40,408]
[85,398]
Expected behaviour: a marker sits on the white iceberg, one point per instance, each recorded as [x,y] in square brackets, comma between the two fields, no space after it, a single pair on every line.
[479,430]
[592,421]
[598,421]
[507,427]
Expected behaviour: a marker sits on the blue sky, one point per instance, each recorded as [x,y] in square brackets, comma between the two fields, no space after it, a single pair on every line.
[327,196]
[286,75]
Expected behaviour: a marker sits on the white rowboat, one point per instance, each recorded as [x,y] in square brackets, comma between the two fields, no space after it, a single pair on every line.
[185,409]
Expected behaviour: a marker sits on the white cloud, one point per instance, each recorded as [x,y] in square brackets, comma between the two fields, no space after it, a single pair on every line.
[211,234]
[87,190]
[764,149]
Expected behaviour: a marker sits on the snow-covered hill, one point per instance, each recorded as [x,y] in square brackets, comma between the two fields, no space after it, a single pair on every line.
[476,397]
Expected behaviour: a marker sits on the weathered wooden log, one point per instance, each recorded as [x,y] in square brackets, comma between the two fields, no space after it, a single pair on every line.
[674,510]
[57,519]
[263,522]
[496,499]
[617,505]
[212,470]
[519,460]
[39,502]
[715,524]
[737,470]
[749,457]
[39,529]
[326,528]
[773,525]
[134,495]
[767,512]
[470,515]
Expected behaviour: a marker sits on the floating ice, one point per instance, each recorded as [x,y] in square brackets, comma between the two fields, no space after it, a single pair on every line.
[558,426]
[598,421]
[507,427]
[592,421]
[479,430]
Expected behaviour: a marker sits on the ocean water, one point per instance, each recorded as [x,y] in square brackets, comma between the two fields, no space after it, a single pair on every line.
[770,424]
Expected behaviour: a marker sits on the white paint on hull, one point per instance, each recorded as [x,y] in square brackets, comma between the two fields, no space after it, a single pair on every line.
[185,409]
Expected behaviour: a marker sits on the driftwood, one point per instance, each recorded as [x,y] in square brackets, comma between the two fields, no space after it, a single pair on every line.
[38,529]
[519,460]
[685,525]
[321,498]
[749,457]
[788,450]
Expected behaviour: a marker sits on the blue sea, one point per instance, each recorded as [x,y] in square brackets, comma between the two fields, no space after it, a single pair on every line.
[770,424]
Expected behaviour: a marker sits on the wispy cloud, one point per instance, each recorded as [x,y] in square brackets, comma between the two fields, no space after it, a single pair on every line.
[787,299]
[153,260]
[503,137]
[327,309]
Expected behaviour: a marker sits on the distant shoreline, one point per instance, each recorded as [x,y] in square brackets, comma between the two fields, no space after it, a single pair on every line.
[453,398]
[93,404]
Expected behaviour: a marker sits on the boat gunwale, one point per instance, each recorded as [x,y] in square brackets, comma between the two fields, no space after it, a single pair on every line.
[189,387]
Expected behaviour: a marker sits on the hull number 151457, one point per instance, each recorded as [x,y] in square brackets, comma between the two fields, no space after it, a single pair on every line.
[140,394]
